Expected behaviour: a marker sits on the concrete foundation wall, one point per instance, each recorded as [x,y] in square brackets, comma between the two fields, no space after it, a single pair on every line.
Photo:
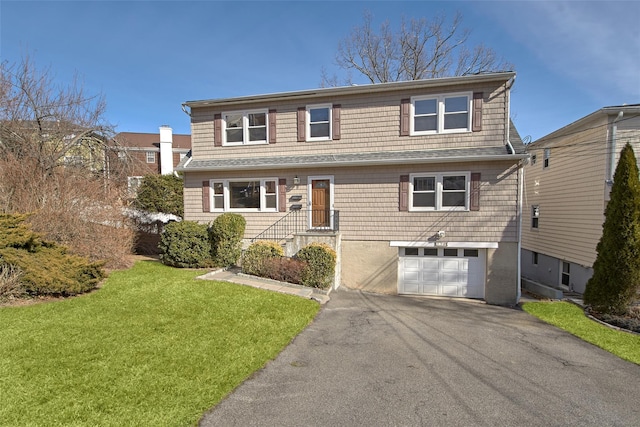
[370,266]
[548,271]
[502,275]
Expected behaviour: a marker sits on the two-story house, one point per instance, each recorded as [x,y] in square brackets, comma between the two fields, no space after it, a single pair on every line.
[151,153]
[567,185]
[416,184]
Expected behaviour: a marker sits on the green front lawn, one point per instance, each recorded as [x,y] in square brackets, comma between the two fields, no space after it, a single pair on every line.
[152,347]
[572,319]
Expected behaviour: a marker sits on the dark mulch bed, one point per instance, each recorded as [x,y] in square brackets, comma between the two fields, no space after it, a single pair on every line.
[629,321]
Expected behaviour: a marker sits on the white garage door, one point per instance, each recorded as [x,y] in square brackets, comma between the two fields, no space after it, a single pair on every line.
[454,272]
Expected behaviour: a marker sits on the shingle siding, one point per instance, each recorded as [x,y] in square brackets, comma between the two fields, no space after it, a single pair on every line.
[368,197]
[368,123]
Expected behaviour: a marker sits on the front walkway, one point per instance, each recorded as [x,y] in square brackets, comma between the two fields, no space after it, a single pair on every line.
[234,275]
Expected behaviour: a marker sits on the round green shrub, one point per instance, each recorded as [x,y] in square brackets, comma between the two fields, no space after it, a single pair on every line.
[226,233]
[161,193]
[256,254]
[321,265]
[185,244]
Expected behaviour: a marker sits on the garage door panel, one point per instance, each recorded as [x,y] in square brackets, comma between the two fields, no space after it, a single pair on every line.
[449,290]
[439,275]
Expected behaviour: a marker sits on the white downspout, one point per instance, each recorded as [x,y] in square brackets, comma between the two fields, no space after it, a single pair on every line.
[519,268]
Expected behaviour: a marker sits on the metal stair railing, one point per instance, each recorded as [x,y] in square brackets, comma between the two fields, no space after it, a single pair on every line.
[296,222]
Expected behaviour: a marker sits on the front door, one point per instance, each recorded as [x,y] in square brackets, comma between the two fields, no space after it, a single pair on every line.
[321,203]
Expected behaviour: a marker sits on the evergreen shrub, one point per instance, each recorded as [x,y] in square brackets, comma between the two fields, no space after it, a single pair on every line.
[161,193]
[321,265]
[616,271]
[257,253]
[226,233]
[42,267]
[185,244]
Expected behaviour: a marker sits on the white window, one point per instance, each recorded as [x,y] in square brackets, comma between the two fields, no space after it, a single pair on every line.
[244,195]
[244,127]
[445,191]
[319,122]
[441,114]
[547,157]
[151,156]
[535,215]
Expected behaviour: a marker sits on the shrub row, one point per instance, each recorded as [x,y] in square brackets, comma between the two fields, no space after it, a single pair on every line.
[313,266]
[192,245]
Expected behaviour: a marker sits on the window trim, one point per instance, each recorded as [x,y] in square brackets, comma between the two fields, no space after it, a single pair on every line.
[226,195]
[440,113]
[245,127]
[535,217]
[546,158]
[439,191]
[308,109]
[152,153]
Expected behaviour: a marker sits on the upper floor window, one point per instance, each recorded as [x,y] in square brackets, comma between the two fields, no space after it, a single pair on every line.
[245,127]
[441,114]
[318,122]
[535,216]
[534,158]
[151,157]
[244,194]
[546,158]
[447,191]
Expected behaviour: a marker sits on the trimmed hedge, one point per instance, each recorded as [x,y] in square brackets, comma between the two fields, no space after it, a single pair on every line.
[226,234]
[257,254]
[321,265]
[185,244]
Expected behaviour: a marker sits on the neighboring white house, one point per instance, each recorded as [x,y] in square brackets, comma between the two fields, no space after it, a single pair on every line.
[567,185]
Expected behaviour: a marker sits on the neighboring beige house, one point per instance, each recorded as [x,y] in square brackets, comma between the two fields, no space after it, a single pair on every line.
[151,153]
[567,185]
[416,184]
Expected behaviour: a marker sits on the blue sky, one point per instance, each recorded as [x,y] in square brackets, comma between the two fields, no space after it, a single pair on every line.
[148,57]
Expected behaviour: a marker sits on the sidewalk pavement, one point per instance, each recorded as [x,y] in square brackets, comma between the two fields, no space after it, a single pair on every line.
[234,275]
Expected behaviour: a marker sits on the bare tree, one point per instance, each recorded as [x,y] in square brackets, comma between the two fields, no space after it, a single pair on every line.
[420,49]
[54,145]
[47,122]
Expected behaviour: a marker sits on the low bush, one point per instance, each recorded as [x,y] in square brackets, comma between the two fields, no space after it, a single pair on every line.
[257,253]
[284,269]
[185,244]
[53,271]
[42,267]
[226,233]
[321,265]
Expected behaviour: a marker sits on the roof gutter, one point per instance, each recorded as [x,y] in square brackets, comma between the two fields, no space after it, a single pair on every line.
[338,163]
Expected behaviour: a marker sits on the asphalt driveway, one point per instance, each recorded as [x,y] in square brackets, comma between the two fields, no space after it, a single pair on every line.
[370,360]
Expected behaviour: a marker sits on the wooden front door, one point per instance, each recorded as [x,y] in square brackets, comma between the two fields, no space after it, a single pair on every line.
[320,203]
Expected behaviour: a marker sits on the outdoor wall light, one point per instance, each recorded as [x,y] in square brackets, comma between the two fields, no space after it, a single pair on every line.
[296,180]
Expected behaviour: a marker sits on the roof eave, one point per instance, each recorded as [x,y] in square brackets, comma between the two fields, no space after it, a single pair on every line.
[452,159]
[354,90]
